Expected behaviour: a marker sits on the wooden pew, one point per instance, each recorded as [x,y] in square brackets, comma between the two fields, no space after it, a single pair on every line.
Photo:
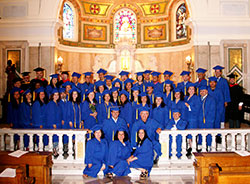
[229,162]
[19,179]
[37,164]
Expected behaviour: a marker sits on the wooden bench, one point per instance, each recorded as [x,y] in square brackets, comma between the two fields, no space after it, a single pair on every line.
[228,163]
[37,165]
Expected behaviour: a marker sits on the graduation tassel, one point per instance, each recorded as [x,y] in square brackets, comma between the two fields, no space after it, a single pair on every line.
[113,136]
[204,120]
[136,114]
[34,96]
[80,126]
[99,99]
[153,98]
[108,112]
[130,95]
[68,97]
[185,90]
[169,113]
[9,97]
[197,91]
[75,124]
[136,137]
[21,99]
[143,88]
[172,96]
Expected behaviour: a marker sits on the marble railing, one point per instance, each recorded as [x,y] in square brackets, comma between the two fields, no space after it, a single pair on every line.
[231,140]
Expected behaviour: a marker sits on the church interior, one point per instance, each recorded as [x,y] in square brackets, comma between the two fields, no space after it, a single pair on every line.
[128,35]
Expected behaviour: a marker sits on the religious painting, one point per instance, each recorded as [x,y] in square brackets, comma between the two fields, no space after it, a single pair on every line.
[68,21]
[155,32]
[95,32]
[235,62]
[15,57]
[125,26]
[181,16]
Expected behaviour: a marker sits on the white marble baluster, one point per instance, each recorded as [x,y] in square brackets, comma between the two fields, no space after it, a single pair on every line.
[2,142]
[204,143]
[31,142]
[167,144]
[40,145]
[50,146]
[60,146]
[194,143]
[184,147]
[11,142]
[233,144]
[70,152]
[21,143]
[243,146]
[223,142]
[174,146]
[213,145]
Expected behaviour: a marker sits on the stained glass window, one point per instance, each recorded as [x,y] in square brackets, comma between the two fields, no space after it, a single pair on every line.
[181,15]
[125,25]
[68,21]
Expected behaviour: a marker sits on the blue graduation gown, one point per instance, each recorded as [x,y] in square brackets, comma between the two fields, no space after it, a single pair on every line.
[110,127]
[74,114]
[181,125]
[117,157]
[203,82]
[207,114]
[38,115]
[63,106]
[78,85]
[151,127]
[86,86]
[145,156]
[158,87]
[13,115]
[88,121]
[183,87]
[99,98]
[218,96]
[135,111]
[48,90]
[96,154]
[141,86]
[168,98]
[104,112]
[151,98]
[181,106]
[158,114]
[126,113]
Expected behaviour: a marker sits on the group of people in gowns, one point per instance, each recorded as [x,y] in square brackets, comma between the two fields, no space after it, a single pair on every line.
[120,113]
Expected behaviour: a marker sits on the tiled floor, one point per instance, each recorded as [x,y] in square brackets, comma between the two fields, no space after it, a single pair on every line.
[62,179]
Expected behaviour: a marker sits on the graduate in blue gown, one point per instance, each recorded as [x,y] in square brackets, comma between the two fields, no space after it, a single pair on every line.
[144,101]
[115,99]
[54,117]
[96,155]
[39,113]
[101,74]
[140,82]
[13,113]
[167,77]
[153,128]
[104,108]
[100,87]
[202,81]
[75,81]
[177,123]
[135,102]
[53,84]
[143,157]
[26,114]
[128,87]
[126,108]
[68,86]
[183,85]
[150,92]
[110,126]
[207,115]
[90,110]
[168,92]
[222,84]
[156,84]
[124,77]
[117,83]
[108,81]
[119,151]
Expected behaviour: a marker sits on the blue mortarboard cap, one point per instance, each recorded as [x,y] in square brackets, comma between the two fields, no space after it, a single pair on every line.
[147,71]
[149,84]
[212,79]
[99,83]
[175,110]
[168,73]
[135,88]
[121,128]
[54,76]
[54,90]
[143,109]
[177,90]
[124,93]
[191,85]
[87,73]
[201,70]
[68,83]
[129,80]
[102,71]
[15,89]
[61,90]
[123,73]
[139,73]
[75,89]
[142,94]
[218,67]
[96,127]
[158,94]
[156,74]
[142,127]
[90,90]
[76,75]
[39,90]
[115,108]
[168,82]
[115,81]
[185,73]
[26,92]
[109,77]
[203,87]
[113,89]
[106,91]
